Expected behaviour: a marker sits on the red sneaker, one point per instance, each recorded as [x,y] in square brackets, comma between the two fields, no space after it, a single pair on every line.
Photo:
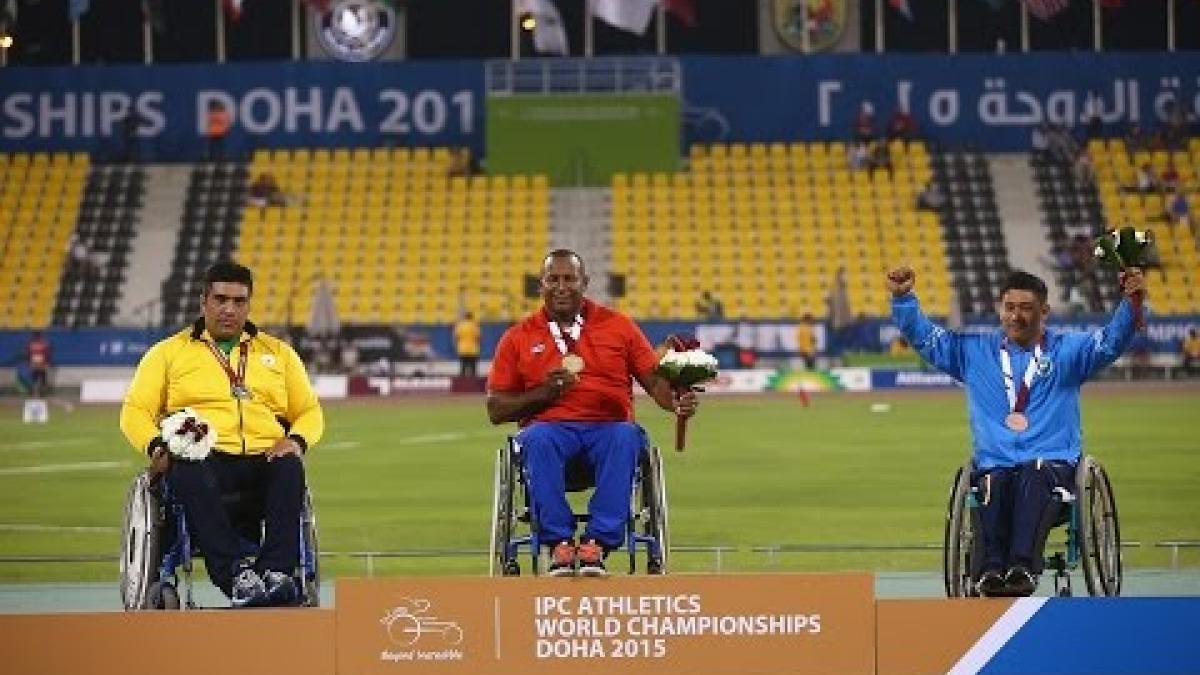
[591,559]
[562,560]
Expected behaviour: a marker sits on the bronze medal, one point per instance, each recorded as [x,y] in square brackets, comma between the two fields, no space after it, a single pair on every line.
[573,363]
[1017,421]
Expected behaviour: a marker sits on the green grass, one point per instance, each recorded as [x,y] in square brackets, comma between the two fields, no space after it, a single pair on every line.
[411,475]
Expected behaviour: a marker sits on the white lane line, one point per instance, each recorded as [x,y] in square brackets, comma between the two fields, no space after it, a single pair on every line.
[997,636]
[38,445]
[340,445]
[33,527]
[61,468]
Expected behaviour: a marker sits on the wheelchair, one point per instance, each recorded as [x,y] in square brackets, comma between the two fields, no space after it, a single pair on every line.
[1093,534]
[157,546]
[514,515]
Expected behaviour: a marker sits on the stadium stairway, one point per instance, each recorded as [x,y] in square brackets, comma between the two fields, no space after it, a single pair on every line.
[1028,247]
[88,294]
[157,231]
[976,250]
[579,220]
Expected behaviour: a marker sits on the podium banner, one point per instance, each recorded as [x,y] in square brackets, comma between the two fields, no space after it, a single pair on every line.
[813,623]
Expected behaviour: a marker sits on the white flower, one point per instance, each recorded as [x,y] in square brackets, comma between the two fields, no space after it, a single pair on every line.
[187,435]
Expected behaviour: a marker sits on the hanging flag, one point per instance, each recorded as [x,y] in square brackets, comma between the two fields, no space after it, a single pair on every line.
[1045,9]
[234,8]
[152,11]
[549,35]
[77,8]
[628,15]
[902,7]
[684,10]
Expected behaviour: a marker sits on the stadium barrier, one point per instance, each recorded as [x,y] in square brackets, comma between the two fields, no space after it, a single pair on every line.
[675,625]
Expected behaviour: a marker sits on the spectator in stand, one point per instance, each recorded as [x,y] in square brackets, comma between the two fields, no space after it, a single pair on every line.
[1179,212]
[864,123]
[1175,129]
[81,258]
[460,162]
[709,307]
[265,191]
[1084,170]
[1144,180]
[860,157]
[1135,139]
[1061,147]
[902,126]
[216,124]
[1191,352]
[881,157]
[1170,178]
[931,198]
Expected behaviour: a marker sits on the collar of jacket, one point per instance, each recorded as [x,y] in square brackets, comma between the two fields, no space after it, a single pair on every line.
[198,328]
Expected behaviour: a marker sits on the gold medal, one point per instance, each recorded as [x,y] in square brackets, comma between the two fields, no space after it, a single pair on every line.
[1017,421]
[573,364]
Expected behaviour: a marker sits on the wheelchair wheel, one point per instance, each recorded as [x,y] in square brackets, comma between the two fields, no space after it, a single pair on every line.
[503,516]
[141,543]
[654,503]
[311,578]
[1099,529]
[959,539]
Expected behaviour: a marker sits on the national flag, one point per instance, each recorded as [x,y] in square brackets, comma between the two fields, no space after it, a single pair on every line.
[234,8]
[902,7]
[77,8]
[1045,9]
[684,10]
[549,35]
[628,15]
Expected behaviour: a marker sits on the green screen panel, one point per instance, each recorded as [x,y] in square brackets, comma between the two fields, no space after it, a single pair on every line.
[582,139]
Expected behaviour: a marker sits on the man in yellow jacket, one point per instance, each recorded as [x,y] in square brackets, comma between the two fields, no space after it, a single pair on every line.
[251,388]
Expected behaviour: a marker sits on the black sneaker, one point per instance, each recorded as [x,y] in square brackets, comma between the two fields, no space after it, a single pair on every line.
[562,560]
[990,584]
[280,589]
[1019,583]
[248,589]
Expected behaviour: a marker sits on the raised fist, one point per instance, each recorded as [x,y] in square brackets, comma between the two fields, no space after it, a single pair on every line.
[901,280]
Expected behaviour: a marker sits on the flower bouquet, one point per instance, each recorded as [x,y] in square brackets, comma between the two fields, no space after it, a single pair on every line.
[684,366]
[1125,248]
[187,435]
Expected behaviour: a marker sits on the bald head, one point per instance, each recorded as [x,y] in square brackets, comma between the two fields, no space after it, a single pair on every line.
[563,284]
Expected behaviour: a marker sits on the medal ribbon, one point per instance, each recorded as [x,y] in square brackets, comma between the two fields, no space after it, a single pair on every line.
[1019,398]
[236,379]
[566,340]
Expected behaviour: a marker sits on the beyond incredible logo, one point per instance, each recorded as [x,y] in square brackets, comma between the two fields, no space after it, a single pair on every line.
[356,30]
[410,623]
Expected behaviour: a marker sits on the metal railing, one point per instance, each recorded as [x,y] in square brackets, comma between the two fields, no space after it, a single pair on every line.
[616,75]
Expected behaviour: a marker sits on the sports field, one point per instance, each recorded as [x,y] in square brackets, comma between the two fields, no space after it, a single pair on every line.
[415,475]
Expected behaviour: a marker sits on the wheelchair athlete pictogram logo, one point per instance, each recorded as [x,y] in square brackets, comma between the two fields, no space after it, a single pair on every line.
[409,621]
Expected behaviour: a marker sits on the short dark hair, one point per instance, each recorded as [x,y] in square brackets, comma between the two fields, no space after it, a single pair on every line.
[227,270]
[563,253]
[1021,280]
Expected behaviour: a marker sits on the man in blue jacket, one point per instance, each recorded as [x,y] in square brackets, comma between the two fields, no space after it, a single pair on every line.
[1022,387]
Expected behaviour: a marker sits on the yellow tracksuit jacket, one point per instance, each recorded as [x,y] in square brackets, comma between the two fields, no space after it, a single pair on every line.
[180,372]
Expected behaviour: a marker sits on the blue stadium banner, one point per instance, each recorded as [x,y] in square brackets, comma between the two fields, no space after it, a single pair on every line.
[989,101]
[310,104]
